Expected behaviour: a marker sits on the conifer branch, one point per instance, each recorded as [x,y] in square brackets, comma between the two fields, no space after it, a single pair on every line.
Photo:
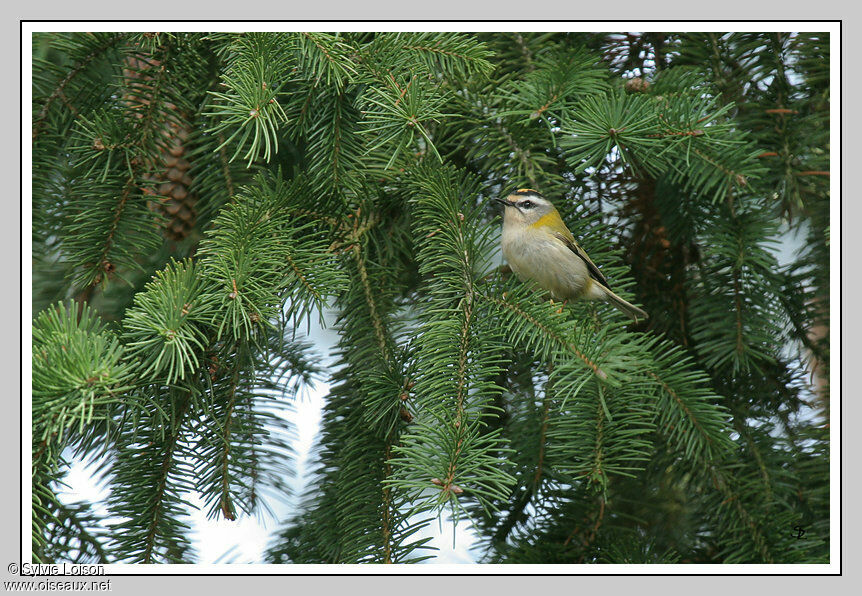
[522,154]
[156,508]
[74,72]
[103,261]
[514,308]
[688,413]
[225,499]
[303,279]
[387,504]
[737,301]
[225,166]
[376,321]
[461,382]
[597,473]
[525,51]
[385,356]
[758,457]
[546,406]
[747,520]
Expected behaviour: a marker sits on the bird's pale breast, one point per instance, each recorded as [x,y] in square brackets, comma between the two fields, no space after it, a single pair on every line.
[538,256]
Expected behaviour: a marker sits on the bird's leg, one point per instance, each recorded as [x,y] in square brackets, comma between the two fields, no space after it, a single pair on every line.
[562,306]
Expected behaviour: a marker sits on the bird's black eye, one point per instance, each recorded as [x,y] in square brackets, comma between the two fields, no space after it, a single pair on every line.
[527,204]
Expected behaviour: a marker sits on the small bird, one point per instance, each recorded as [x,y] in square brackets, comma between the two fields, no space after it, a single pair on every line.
[539,246]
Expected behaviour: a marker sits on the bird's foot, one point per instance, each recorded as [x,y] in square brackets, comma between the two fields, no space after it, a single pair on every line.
[562,306]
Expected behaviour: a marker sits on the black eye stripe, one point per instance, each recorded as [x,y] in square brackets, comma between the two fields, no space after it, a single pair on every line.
[527,204]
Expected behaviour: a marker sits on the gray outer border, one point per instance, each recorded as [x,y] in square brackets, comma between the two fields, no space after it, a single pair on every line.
[11,238]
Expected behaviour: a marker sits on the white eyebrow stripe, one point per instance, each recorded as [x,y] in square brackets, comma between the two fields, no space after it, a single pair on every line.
[534,199]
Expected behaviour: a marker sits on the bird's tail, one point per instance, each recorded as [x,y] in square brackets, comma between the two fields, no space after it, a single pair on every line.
[630,309]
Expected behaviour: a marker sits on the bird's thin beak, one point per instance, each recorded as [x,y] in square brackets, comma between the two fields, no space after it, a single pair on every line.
[504,202]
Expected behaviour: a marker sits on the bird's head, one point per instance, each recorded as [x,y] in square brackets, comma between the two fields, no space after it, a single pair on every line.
[526,207]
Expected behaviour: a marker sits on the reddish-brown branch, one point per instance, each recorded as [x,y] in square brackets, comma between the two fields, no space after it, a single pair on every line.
[403,91]
[115,223]
[599,520]
[553,99]
[319,47]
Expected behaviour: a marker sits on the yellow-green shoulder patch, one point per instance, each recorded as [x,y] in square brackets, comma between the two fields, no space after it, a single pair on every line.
[552,220]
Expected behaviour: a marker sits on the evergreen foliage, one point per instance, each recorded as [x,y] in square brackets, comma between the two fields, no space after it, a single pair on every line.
[353,172]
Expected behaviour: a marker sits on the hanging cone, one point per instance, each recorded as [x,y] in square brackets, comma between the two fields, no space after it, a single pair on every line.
[169,179]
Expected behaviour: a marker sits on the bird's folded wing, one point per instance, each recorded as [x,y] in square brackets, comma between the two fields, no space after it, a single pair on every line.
[570,243]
